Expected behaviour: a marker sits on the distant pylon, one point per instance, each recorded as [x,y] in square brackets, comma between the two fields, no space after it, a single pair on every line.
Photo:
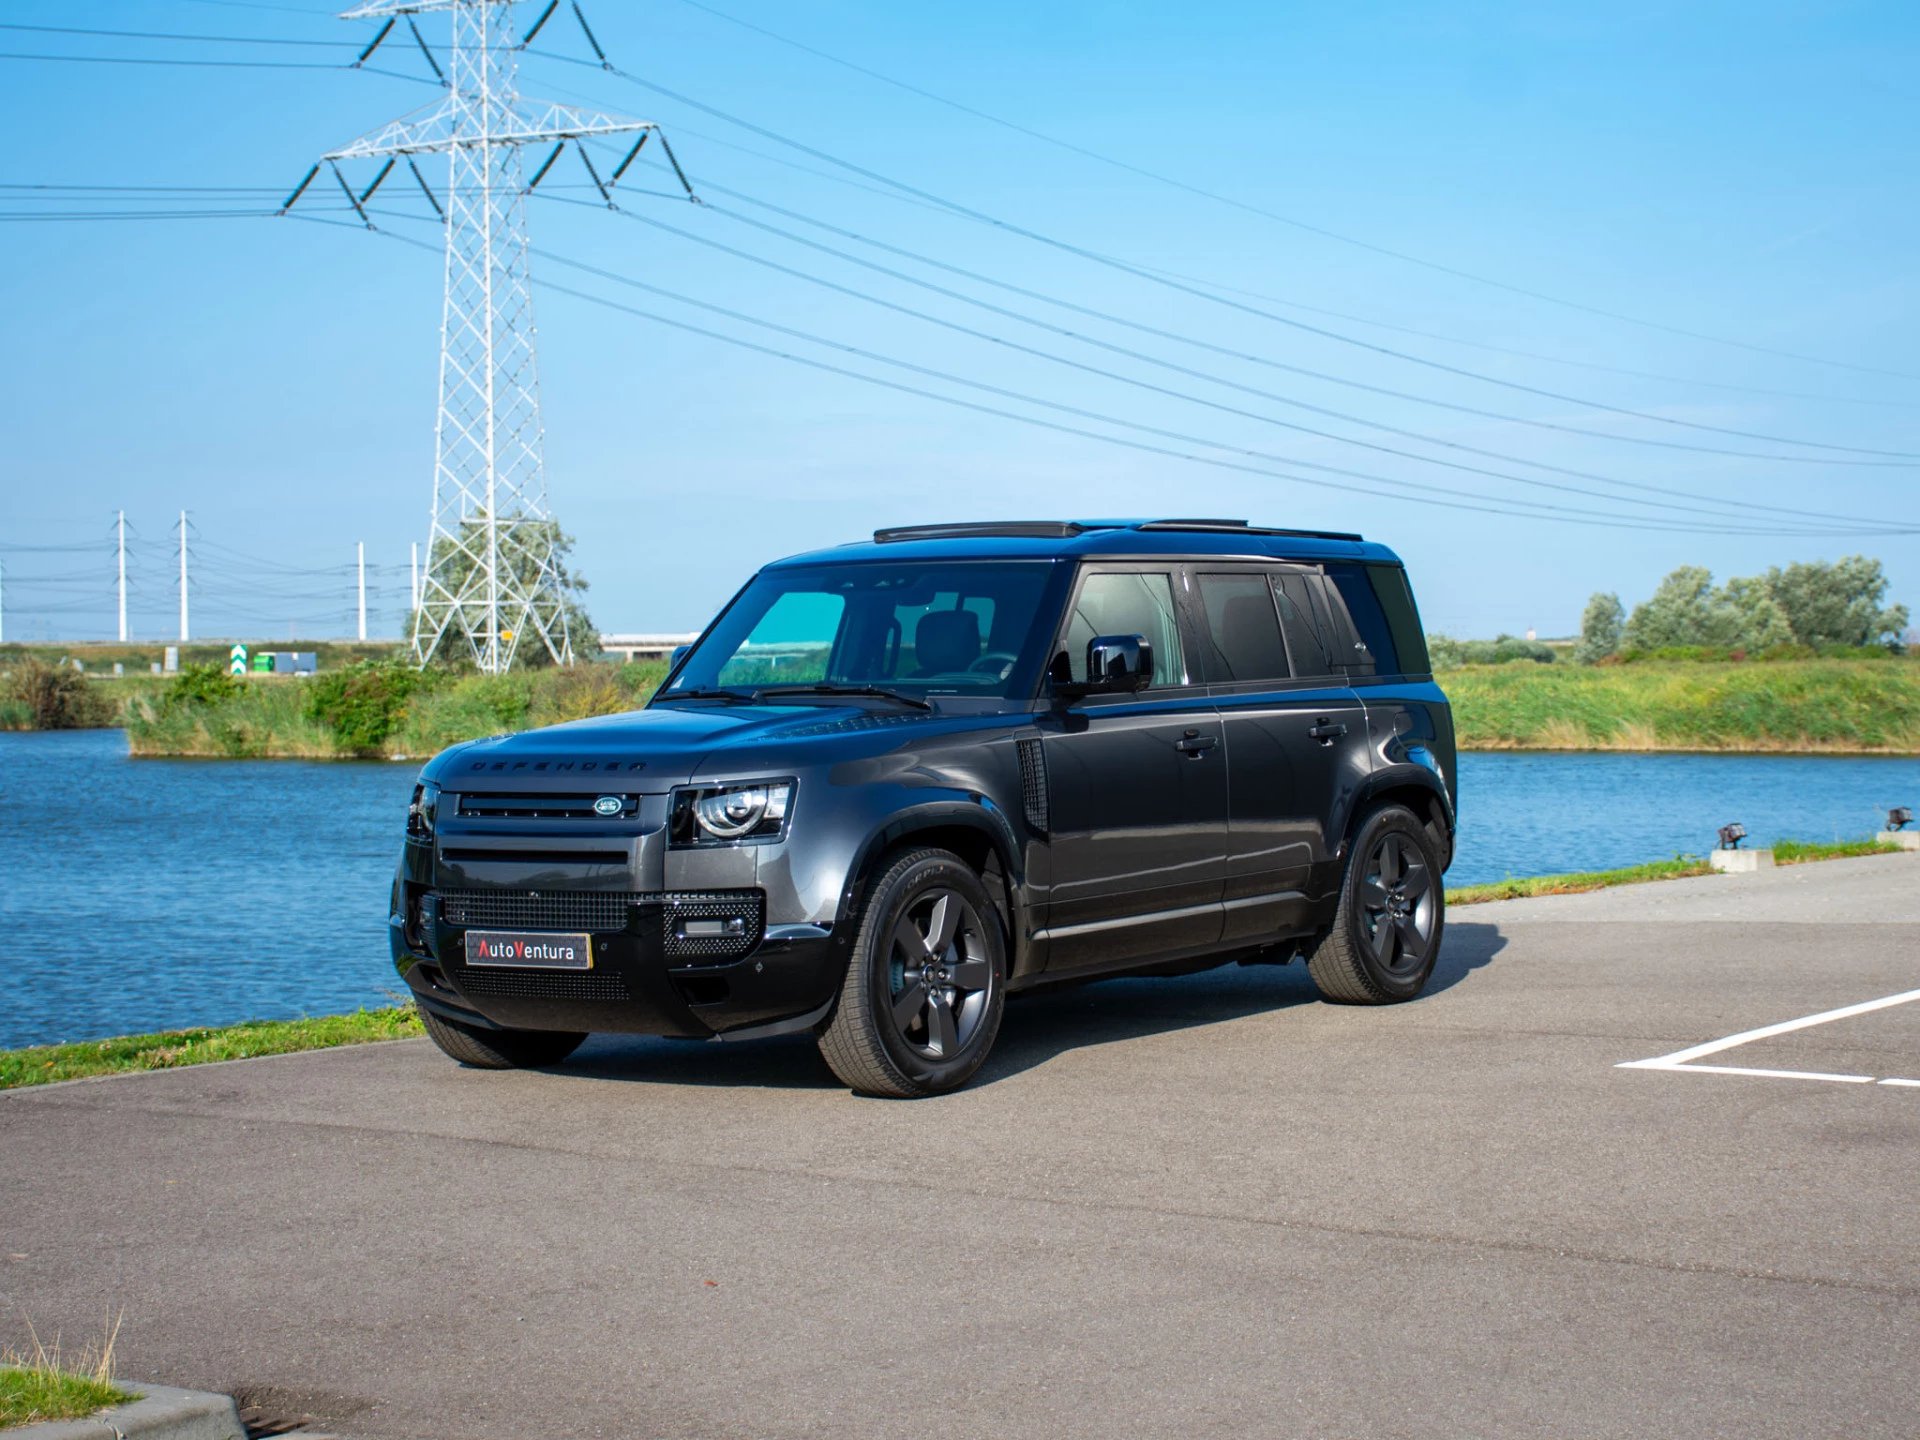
[491,577]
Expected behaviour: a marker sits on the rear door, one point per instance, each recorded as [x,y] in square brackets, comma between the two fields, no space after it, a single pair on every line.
[1296,738]
[1137,783]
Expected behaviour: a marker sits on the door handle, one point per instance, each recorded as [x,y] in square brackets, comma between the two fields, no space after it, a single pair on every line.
[1194,746]
[1325,731]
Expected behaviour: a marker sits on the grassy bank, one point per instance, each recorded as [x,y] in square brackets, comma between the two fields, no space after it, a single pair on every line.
[1805,706]
[1824,706]
[44,1064]
[380,712]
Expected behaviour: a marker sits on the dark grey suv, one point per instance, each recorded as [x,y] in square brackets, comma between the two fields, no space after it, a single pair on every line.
[895,782]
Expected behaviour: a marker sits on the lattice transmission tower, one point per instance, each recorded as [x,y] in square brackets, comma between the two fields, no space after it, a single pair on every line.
[492,580]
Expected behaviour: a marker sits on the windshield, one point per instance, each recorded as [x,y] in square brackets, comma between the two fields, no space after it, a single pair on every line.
[951,627]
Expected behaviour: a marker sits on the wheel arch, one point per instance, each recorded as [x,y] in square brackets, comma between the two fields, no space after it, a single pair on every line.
[1418,790]
[975,829]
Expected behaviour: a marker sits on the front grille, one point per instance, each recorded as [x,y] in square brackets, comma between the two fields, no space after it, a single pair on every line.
[599,912]
[542,984]
[479,805]
[570,910]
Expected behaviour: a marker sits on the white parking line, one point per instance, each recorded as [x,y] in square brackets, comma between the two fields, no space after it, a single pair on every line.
[1680,1059]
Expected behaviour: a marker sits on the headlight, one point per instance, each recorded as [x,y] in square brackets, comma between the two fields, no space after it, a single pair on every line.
[731,814]
[420,813]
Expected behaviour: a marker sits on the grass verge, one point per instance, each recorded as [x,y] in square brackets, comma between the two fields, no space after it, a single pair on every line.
[44,1064]
[39,1384]
[1678,868]
[1799,852]
[1785,852]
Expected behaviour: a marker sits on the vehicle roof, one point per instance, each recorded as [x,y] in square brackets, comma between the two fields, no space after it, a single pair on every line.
[1087,539]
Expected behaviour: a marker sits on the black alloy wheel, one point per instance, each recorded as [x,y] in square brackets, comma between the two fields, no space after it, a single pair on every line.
[939,978]
[1399,906]
[1392,914]
[926,983]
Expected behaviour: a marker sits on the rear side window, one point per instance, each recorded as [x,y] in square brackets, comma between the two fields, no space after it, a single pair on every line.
[1351,591]
[1128,603]
[1311,654]
[1243,629]
[1403,619]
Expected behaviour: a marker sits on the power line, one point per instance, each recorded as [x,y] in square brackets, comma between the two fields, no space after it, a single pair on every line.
[1288,220]
[1126,267]
[1200,400]
[1497,505]
[216,64]
[171,35]
[1600,367]
[1202,375]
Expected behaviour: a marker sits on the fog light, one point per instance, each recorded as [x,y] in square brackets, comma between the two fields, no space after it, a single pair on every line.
[1732,835]
[730,928]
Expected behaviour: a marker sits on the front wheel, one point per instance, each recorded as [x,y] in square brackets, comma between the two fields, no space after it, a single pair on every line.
[925,985]
[499,1049]
[1386,931]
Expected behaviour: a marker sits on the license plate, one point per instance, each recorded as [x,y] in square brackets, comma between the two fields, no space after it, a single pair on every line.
[534,950]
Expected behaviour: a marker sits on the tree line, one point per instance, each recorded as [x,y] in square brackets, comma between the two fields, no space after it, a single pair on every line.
[1815,605]
[1813,608]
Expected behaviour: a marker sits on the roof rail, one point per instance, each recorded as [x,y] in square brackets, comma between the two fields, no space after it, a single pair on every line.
[1242,527]
[987,530]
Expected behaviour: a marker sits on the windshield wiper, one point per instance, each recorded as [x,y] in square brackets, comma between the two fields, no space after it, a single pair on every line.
[877,692]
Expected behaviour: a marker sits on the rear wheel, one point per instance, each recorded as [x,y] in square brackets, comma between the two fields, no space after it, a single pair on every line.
[499,1049]
[926,983]
[1392,912]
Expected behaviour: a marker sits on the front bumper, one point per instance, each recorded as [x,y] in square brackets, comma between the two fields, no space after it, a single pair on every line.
[650,976]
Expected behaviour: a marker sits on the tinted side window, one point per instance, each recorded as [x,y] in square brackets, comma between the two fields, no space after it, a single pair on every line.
[1403,620]
[1351,586]
[1129,603]
[1243,628]
[1311,655]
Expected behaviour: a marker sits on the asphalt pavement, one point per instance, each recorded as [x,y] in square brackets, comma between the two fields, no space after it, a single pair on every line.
[1187,1207]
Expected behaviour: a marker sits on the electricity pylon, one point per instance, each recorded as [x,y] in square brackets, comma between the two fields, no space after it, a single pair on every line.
[491,576]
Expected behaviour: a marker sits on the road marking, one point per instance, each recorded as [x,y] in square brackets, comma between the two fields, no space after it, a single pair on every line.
[1680,1059]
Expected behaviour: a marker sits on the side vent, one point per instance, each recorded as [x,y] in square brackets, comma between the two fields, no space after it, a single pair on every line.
[1033,784]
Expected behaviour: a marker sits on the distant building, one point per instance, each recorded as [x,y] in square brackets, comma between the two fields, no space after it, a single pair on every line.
[645,647]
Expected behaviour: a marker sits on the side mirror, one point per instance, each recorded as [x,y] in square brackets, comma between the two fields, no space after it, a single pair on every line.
[679,654]
[1116,665]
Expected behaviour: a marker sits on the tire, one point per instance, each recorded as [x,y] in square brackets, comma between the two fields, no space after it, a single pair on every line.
[499,1049]
[1392,914]
[926,983]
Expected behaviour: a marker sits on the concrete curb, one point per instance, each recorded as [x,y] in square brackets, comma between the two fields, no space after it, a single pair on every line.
[161,1413]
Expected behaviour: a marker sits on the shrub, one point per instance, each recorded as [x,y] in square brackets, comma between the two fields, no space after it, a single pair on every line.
[1446,653]
[363,704]
[203,685]
[53,697]
[580,692]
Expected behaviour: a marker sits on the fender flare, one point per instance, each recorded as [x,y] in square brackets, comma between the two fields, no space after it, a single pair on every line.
[1403,776]
[966,809]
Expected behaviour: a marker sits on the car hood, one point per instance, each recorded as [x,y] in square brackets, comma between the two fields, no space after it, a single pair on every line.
[650,751]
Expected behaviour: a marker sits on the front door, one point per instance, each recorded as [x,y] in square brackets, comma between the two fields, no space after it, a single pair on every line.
[1138,787]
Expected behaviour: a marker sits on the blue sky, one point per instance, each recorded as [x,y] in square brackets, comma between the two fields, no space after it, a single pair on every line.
[1738,170]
